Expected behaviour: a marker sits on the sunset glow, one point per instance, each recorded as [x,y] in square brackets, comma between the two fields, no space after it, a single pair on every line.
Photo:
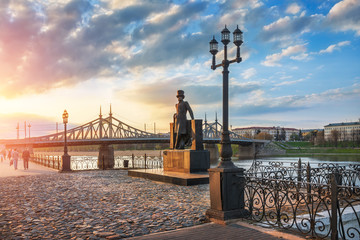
[300,69]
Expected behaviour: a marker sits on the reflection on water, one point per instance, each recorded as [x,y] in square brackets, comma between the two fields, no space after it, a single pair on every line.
[336,159]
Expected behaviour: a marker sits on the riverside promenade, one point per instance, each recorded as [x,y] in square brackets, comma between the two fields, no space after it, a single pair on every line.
[34,169]
[40,203]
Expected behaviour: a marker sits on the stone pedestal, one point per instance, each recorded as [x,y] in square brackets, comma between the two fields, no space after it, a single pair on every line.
[226,194]
[182,166]
[186,160]
[106,157]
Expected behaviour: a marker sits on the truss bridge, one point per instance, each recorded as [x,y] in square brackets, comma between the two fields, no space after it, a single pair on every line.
[110,130]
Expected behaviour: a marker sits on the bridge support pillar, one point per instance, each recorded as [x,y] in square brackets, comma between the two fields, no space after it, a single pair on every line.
[106,157]
[214,153]
[247,151]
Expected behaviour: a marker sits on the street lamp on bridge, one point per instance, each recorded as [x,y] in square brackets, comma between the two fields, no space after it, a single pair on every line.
[66,156]
[226,151]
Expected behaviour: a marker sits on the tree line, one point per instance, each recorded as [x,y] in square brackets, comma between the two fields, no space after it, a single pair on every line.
[336,138]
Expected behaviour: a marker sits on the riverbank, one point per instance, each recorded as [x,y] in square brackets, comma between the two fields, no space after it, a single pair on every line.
[285,149]
[96,204]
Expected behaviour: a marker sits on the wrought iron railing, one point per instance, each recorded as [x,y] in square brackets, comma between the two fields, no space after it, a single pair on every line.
[316,210]
[50,161]
[84,163]
[142,162]
[91,162]
[299,171]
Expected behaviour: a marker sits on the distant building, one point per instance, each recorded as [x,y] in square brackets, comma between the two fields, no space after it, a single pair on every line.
[273,131]
[348,131]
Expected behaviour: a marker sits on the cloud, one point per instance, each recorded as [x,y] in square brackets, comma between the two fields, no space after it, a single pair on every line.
[47,45]
[162,92]
[260,104]
[165,41]
[290,82]
[36,59]
[334,47]
[273,60]
[293,8]
[344,16]
[286,27]
[248,73]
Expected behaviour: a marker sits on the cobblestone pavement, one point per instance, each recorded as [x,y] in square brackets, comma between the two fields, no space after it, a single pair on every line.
[95,205]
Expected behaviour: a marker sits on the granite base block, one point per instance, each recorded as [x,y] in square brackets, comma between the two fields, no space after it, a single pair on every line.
[183,179]
[186,161]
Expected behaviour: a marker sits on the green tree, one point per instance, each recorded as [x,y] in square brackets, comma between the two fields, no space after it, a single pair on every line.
[264,136]
[335,137]
[294,137]
[320,139]
[283,135]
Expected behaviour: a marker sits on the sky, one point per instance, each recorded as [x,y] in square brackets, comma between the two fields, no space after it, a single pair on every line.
[300,62]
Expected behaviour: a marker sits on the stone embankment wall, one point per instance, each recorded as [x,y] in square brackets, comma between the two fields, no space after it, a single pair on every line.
[271,149]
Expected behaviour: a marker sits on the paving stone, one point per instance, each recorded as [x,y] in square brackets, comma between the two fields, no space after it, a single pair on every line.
[96,205]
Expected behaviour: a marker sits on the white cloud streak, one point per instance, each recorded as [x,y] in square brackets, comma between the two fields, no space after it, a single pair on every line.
[274,59]
[248,73]
[293,8]
[334,47]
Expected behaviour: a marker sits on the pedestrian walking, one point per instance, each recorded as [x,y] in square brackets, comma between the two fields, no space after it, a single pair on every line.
[9,155]
[2,154]
[15,158]
[26,157]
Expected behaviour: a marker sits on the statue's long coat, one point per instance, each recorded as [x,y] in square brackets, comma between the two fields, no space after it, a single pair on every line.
[180,120]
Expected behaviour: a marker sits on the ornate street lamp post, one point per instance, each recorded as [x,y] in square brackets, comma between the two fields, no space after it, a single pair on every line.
[226,151]
[66,156]
[226,180]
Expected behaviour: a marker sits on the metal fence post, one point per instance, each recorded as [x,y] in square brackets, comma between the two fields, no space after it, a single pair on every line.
[132,159]
[308,179]
[145,160]
[334,206]
[299,177]
[338,176]
[103,162]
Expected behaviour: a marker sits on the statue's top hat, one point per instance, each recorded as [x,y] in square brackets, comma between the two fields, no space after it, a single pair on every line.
[180,93]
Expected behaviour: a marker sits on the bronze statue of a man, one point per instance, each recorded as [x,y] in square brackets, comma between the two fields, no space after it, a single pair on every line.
[180,129]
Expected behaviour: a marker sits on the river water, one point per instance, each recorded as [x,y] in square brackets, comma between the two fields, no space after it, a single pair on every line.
[341,160]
